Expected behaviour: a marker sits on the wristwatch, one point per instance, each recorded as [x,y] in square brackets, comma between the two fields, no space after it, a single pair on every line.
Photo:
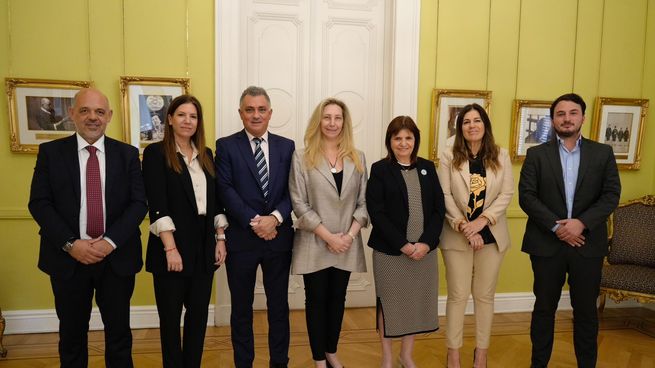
[69,245]
[219,237]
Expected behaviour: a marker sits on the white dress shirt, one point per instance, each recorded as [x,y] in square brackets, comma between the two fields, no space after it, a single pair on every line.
[83,156]
[199,183]
[264,146]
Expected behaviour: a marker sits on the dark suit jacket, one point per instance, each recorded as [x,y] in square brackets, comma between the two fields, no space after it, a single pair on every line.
[542,197]
[240,193]
[55,204]
[171,194]
[388,206]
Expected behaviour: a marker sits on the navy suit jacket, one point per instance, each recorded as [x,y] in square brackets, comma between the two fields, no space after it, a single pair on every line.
[171,194]
[240,193]
[55,205]
[542,197]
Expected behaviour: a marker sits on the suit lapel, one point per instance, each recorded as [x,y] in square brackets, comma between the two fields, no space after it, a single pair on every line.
[584,160]
[324,170]
[556,165]
[246,152]
[72,160]
[465,173]
[111,170]
[398,177]
[348,171]
[187,184]
[273,160]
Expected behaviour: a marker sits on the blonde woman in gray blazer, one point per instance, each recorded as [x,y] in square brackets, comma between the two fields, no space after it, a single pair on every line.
[327,184]
[476,178]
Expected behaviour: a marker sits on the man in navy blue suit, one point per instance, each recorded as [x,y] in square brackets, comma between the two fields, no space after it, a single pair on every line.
[252,173]
[88,198]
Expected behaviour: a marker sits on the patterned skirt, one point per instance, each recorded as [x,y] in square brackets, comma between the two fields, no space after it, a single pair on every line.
[407,292]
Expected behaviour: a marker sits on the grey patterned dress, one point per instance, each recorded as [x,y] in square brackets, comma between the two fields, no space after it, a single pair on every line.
[407,290]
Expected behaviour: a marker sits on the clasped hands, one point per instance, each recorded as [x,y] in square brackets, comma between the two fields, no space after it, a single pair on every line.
[264,227]
[338,243]
[570,232]
[90,251]
[471,230]
[415,251]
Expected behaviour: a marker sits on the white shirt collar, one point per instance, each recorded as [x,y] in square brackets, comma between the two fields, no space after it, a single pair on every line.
[264,137]
[193,155]
[99,144]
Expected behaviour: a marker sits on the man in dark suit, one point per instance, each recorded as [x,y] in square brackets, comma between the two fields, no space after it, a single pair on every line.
[88,198]
[252,173]
[45,116]
[568,188]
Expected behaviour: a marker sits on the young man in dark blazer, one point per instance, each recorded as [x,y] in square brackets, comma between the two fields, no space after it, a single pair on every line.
[568,188]
[88,198]
[253,174]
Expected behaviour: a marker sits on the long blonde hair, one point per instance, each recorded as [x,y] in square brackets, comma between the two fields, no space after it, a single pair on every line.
[314,141]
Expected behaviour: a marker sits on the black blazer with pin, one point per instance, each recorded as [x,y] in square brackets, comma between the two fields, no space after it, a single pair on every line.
[542,197]
[388,207]
[55,205]
[171,194]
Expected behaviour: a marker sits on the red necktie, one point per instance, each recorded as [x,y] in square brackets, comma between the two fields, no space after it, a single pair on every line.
[95,224]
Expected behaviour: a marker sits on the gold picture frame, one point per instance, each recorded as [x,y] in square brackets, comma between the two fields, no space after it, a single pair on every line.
[446,103]
[144,101]
[531,126]
[38,111]
[619,123]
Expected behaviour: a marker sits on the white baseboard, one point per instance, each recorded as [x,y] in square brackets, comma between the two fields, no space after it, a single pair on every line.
[45,320]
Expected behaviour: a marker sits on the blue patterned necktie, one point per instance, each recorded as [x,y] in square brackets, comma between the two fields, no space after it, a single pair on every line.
[260,161]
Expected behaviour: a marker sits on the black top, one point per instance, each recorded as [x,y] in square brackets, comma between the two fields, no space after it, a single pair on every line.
[338,179]
[476,198]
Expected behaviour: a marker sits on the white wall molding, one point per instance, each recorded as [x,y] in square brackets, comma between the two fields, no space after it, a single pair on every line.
[45,320]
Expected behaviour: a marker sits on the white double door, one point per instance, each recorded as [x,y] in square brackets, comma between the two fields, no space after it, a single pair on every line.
[302,51]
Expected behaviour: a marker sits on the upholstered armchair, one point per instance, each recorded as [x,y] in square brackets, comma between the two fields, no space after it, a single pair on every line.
[3,351]
[629,269]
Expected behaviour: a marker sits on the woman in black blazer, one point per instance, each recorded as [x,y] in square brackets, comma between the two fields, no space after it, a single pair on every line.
[406,207]
[183,252]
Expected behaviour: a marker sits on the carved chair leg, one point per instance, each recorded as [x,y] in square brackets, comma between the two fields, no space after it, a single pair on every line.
[3,351]
[601,304]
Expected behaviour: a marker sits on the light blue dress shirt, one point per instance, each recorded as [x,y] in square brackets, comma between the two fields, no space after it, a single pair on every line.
[570,161]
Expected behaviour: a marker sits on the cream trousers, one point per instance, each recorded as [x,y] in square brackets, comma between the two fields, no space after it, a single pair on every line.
[476,273]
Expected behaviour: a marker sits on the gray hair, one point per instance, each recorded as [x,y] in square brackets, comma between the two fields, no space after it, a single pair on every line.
[254,91]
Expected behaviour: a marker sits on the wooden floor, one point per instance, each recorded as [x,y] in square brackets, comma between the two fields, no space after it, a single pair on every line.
[627,339]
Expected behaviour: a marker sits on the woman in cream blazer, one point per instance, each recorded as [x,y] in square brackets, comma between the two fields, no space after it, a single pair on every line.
[327,185]
[476,178]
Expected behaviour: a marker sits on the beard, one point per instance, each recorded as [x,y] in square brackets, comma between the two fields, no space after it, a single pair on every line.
[567,133]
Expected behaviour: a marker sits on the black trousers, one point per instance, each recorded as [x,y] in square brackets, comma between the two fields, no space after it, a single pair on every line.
[73,301]
[584,285]
[172,291]
[325,298]
[241,270]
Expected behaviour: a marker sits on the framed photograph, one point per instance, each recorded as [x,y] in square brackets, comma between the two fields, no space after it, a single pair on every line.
[619,122]
[446,105]
[144,103]
[38,111]
[531,125]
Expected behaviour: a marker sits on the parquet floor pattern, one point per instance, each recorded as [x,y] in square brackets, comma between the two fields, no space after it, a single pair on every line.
[627,339]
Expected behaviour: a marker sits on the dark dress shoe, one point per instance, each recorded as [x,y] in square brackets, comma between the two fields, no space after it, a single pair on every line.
[277,365]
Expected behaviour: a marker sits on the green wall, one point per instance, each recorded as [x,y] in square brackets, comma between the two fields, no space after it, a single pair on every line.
[527,49]
[96,40]
[538,50]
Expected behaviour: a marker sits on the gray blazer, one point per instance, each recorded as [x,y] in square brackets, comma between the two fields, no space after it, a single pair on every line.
[315,201]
